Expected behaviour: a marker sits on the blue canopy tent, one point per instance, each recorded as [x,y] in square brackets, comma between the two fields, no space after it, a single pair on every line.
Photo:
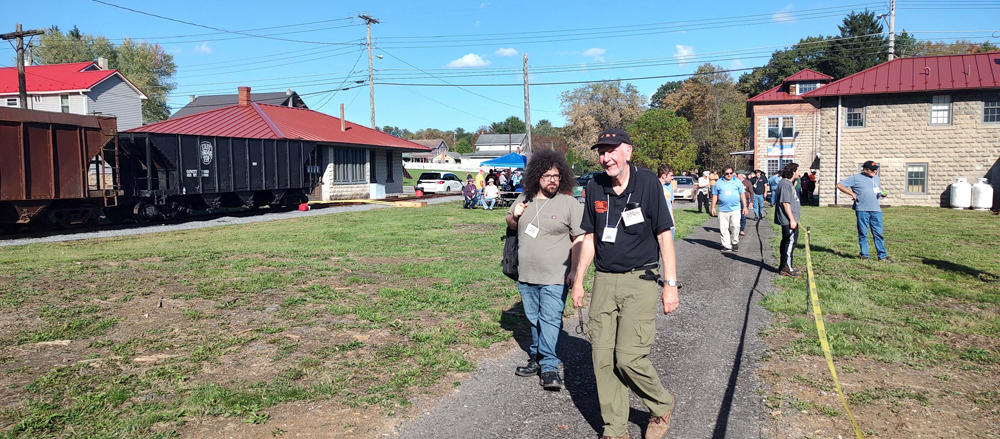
[512,160]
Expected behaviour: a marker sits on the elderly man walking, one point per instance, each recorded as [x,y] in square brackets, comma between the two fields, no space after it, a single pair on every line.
[547,219]
[627,229]
[866,189]
[729,194]
[703,195]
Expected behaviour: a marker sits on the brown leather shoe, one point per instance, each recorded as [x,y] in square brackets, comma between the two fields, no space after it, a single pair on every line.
[615,437]
[658,426]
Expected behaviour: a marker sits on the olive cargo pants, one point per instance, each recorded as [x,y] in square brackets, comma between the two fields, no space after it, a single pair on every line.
[621,329]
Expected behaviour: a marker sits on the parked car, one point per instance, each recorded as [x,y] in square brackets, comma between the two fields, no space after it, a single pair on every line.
[430,182]
[585,178]
[686,189]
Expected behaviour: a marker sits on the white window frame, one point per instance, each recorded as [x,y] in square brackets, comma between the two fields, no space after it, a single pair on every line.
[64,104]
[906,178]
[847,114]
[941,110]
[781,126]
[991,101]
[798,87]
[779,162]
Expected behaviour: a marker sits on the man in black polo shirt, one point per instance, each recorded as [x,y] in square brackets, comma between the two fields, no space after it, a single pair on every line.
[627,227]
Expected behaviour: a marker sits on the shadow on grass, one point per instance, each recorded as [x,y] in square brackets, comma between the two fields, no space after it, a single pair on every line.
[961,269]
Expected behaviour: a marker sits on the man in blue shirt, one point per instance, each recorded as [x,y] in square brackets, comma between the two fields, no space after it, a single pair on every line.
[773,182]
[666,175]
[730,195]
[866,189]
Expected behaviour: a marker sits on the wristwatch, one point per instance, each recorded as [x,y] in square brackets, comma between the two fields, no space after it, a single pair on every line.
[670,282]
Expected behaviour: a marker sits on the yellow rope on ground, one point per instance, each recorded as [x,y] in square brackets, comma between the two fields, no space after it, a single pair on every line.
[823,342]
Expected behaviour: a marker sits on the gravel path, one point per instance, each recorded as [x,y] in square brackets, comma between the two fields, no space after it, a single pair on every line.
[240,217]
[706,354]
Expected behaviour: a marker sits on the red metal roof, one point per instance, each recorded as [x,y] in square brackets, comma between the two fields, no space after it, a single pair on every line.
[925,74]
[808,75]
[264,121]
[54,77]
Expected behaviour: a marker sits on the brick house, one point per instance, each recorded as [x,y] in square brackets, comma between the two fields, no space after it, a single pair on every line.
[925,120]
[785,128]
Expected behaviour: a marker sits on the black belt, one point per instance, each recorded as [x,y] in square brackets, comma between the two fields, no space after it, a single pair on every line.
[642,268]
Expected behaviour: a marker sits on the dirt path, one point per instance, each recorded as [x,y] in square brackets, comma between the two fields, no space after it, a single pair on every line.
[706,354]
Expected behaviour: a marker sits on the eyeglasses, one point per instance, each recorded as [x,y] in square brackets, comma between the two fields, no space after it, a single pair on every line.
[551,177]
[728,173]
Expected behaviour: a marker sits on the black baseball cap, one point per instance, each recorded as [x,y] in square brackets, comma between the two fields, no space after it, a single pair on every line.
[870,165]
[612,137]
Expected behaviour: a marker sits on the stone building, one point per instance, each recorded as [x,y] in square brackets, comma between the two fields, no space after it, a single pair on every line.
[926,121]
[785,126]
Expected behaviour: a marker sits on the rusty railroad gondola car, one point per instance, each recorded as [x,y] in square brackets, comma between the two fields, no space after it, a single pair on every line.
[55,168]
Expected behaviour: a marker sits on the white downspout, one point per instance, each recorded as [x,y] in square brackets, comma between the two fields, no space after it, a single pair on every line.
[836,193]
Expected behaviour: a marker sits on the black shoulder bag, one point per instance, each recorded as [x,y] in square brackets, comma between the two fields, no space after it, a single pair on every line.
[509,261]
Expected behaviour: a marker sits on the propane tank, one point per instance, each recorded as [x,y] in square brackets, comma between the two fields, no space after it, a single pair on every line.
[961,194]
[982,195]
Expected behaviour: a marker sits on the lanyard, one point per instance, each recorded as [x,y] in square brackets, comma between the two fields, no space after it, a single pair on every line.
[607,218]
[538,212]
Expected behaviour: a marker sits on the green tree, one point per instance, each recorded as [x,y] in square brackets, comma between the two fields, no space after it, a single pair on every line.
[145,64]
[860,45]
[544,128]
[656,101]
[661,137]
[512,125]
[464,147]
[711,103]
[592,108]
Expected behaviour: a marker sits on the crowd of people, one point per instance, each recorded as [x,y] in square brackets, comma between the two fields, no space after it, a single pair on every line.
[625,228]
[484,189]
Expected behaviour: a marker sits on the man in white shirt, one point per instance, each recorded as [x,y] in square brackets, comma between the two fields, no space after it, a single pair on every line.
[703,195]
[490,195]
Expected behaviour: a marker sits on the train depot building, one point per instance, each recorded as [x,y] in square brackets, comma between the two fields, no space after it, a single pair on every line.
[349,161]
[927,121]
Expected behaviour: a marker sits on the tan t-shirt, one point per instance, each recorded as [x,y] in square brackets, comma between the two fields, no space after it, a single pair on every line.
[546,258]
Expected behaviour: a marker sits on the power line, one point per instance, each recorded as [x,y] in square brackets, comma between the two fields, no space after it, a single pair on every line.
[343,82]
[213,28]
[249,30]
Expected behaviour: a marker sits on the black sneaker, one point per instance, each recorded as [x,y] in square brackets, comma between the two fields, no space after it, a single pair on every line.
[551,381]
[726,250]
[736,248]
[530,369]
[789,273]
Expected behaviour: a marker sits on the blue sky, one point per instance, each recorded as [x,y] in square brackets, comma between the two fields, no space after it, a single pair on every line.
[469,43]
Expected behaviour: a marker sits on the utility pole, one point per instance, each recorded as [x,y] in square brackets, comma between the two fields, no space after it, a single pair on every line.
[527,106]
[19,35]
[892,29]
[371,72]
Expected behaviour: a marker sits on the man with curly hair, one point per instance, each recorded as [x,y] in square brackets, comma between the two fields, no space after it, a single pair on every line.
[547,220]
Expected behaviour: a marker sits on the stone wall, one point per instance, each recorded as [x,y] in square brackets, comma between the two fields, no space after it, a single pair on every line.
[806,136]
[897,131]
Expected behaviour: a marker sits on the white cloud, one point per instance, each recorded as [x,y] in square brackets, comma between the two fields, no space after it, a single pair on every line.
[510,51]
[483,5]
[785,15]
[477,22]
[202,48]
[736,65]
[595,52]
[470,60]
[684,54]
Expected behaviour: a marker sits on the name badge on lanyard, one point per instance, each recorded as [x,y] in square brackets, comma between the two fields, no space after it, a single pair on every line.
[610,233]
[632,217]
[531,230]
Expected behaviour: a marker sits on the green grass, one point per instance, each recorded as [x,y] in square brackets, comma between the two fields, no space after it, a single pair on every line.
[937,306]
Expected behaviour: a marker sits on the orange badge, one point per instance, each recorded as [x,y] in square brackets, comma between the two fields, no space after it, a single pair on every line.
[601,206]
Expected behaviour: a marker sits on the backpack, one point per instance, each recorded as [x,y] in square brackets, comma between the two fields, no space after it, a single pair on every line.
[509,261]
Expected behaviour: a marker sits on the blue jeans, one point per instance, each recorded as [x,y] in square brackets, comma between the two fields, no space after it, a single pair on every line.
[743,221]
[772,196]
[492,201]
[543,307]
[758,206]
[471,202]
[871,220]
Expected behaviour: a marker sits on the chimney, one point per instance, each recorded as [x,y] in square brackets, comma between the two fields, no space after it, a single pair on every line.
[343,125]
[192,99]
[102,62]
[244,96]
